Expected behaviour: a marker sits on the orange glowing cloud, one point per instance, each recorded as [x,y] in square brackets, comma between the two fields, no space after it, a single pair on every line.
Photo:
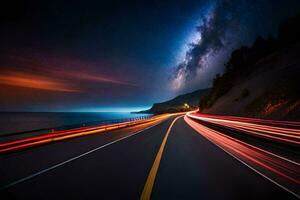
[94,77]
[56,72]
[35,82]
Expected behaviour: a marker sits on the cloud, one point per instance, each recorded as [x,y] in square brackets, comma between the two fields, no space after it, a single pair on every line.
[34,82]
[56,74]
[94,77]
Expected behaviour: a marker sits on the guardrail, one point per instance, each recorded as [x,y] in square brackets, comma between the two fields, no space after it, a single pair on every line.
[74,126]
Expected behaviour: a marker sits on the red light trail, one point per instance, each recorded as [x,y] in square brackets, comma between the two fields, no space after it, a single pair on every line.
[282,171]
[287,135]
[66,134]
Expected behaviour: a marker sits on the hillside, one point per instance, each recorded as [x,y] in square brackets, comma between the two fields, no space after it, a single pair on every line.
[262,80]
[189,101]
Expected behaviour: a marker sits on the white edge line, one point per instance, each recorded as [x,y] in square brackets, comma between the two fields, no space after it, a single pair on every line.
[71,159]
[255,170]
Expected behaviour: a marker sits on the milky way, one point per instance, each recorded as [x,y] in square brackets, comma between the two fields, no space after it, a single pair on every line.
[93,55]
[226,26]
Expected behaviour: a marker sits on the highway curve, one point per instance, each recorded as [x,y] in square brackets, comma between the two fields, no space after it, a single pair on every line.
[169,160]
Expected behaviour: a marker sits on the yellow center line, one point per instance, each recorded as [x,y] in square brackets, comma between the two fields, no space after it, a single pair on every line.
[146,194]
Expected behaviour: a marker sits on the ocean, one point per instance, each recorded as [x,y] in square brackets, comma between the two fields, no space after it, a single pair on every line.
[14,122]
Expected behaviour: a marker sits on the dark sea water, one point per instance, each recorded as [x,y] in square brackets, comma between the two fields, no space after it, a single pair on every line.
[28,121]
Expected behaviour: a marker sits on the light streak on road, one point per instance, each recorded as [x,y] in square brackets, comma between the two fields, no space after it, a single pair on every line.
[250,120]
[280,170]
[280,134]
[66,134]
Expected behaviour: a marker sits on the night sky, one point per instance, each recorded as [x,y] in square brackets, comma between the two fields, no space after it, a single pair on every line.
[122,55]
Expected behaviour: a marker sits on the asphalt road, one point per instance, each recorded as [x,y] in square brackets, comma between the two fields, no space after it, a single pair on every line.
[109,166]
[194,168]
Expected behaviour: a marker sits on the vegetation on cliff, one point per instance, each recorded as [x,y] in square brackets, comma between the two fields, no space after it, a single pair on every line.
[245,60]
[180,103]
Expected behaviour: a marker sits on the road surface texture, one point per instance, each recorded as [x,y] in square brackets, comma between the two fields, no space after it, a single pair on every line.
[194,168]
[165,160]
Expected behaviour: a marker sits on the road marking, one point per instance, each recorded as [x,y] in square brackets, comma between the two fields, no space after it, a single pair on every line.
[146,194]
[72,159]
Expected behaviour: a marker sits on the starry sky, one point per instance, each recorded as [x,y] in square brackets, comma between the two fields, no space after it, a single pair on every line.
[122,55]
